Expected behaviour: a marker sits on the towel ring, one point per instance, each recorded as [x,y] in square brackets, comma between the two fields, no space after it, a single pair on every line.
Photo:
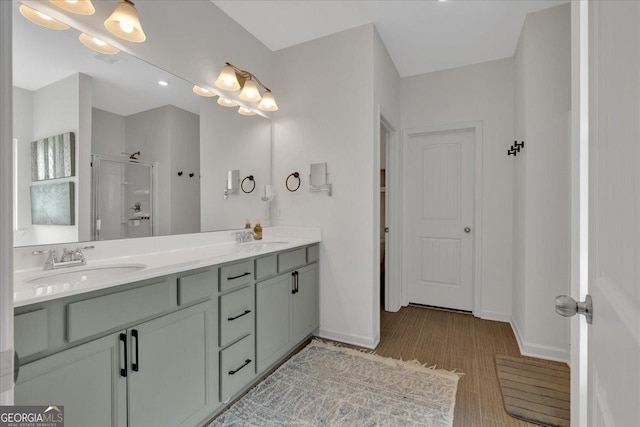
[250,178]
[296,175]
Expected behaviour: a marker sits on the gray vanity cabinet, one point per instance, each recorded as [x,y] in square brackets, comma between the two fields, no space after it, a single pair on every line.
[286,310]
[170,359]
[85,379]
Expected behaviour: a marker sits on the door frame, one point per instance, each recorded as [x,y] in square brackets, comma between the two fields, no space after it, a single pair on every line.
[579,204]
[393,243]
[477,128]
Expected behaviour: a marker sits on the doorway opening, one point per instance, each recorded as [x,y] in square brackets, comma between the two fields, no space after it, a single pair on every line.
[384,227]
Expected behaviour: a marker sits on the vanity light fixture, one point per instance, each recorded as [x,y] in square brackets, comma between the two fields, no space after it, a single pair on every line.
[202,91]
[226,102]
[246,111]
[125,23]
[227,79]
[268,102]
[233,78]
[97,44]
[41,19]
[81,7]
[250,91]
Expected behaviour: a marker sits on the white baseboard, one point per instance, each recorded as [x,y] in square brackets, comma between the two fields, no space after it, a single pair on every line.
[494,315]
[537,350]
[352,339]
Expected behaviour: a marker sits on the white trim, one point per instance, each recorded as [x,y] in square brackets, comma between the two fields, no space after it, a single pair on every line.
[477,128]
[393,247]
[6,206]
[495,316]
[539,351]
[353,339]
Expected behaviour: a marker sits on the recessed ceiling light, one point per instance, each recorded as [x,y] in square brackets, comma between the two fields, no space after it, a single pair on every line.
[163,83]
[441,1]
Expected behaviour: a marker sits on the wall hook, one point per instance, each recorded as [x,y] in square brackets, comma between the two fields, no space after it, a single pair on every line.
[191,175]
[180,173]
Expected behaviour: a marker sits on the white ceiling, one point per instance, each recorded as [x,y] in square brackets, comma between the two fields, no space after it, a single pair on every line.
[421,35]
[128,86]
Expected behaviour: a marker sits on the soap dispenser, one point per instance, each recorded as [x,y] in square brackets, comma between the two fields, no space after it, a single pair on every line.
[247,225]
[257,231]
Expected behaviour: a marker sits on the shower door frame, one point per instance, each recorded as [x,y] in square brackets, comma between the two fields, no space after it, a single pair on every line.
[95,183]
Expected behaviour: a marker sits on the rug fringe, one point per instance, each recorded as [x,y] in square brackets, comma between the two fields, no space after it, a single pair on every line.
[389,360]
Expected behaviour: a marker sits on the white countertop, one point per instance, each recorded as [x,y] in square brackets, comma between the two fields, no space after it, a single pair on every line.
[157,263]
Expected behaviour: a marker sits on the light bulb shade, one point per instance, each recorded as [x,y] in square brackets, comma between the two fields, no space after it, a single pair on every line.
[97,44]
[226,102]
[42,19]
[202,92]
[125,24]
[268,102]
[227,79]
[250,92]
[81,7]
[246,111]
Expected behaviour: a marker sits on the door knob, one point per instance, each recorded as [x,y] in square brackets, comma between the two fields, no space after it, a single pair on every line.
[467,230]
[567,307]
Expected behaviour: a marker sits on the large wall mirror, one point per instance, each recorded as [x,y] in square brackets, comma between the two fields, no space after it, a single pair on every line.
[151,158]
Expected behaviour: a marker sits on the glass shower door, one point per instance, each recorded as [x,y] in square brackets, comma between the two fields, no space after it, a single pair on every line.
[122,198]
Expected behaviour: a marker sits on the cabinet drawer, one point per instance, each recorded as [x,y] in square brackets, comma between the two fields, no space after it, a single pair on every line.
[292,259]
[197,286]
[237,367]
[313,253]
[234,275]
[31,332]
[266,266]
[236,315]
[95,315]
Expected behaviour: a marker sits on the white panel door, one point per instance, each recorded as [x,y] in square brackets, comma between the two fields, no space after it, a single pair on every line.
[613,391]
[439,218]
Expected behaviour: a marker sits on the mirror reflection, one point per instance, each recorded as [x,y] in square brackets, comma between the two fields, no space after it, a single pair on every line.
[151,157]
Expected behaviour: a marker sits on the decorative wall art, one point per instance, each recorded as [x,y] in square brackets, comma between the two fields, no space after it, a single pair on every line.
[53,157]
[53,204]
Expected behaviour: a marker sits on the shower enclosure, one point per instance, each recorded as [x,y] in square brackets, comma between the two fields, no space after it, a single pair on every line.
[122,198]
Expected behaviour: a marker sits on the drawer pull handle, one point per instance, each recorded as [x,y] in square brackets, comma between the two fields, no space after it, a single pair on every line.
[239,315]
[237,277]
[123,371]
[135,367]
[246,362]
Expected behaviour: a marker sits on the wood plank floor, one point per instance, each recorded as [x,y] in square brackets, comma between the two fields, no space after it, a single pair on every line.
[455,341]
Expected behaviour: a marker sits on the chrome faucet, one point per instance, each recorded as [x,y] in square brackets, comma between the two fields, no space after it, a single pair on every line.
[69,257]
[244,236]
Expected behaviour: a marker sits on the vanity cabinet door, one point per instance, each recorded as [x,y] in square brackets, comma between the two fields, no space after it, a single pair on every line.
[273,322]
[305,302]
[173,362]
[86,380]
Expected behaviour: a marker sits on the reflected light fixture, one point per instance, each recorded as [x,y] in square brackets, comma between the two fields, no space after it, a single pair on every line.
[226,102]
[246,111]
[202,91]
[41,19]
[233,78]
[81,7]
[97,44]
[125,23]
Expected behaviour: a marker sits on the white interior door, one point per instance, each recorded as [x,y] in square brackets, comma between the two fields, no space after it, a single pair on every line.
[438,206]
[613,375]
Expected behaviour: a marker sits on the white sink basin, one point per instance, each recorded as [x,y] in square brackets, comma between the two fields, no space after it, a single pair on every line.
[259,246]
[75,277]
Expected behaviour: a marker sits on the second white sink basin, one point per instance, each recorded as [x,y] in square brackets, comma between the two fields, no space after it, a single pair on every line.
[82,275]
[258,246]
